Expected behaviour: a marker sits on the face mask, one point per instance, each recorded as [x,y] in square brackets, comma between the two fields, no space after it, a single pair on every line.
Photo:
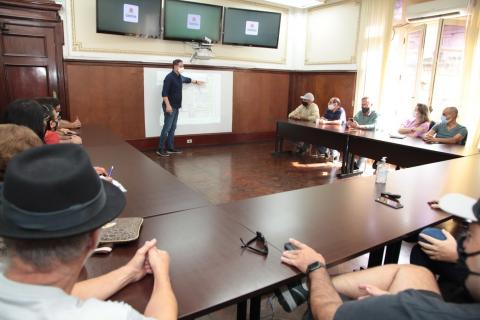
[305,103]
[443,119]
[461,265]
[365,110]
[331,106]
[181,70]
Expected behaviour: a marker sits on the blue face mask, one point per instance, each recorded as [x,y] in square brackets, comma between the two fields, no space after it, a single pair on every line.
[443,119]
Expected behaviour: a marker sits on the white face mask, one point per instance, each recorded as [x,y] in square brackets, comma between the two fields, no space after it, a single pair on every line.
[331,106]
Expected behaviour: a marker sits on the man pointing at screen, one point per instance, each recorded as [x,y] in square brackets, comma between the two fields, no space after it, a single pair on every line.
[172,102]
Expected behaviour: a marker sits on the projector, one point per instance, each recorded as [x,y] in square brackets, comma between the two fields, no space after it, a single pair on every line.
[203,54]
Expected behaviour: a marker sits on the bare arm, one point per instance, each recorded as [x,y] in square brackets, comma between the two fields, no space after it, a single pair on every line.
[162,304]
[105,286]
[324,299]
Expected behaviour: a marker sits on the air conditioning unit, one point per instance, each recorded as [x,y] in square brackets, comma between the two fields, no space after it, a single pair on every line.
[436,9]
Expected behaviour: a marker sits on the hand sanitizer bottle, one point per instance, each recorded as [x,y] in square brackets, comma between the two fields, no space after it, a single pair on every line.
[382,171]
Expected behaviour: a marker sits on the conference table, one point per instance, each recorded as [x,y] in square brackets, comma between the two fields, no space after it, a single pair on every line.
[374,144]
[342,220]
[151,190]
[209,270]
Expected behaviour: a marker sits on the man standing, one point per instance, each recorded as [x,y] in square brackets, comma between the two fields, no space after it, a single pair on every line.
[172,102]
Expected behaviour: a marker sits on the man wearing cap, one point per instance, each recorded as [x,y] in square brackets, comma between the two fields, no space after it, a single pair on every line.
[307,111]
[52,206]
[394,291]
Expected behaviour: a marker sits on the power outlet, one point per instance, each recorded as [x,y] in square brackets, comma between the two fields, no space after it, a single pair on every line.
[189,141]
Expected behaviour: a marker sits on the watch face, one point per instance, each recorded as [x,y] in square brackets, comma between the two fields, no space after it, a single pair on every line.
[313,266]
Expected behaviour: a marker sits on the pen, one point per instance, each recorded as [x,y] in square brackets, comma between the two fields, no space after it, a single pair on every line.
[110,171]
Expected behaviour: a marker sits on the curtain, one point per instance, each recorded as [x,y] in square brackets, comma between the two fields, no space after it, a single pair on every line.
[375,33]
[470,108]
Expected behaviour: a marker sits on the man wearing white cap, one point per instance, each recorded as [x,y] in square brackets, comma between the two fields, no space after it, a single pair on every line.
[394,291]
[307,111]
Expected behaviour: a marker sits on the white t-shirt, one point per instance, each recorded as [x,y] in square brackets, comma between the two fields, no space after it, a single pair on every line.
[25,301]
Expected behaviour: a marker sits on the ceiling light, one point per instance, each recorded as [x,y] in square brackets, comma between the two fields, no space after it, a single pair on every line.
[303,4]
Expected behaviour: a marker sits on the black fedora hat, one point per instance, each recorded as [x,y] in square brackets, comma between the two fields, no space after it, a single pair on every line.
[52,192]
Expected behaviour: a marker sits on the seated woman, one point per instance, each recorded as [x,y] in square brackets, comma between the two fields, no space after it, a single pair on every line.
[418,125]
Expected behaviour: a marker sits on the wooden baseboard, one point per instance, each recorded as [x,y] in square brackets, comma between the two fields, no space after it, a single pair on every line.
[205,140]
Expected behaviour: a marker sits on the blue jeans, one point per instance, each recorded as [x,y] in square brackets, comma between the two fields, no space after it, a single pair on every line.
[169,126]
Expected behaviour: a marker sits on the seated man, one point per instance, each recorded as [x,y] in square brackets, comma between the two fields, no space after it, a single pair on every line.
[391,291]
[307,111]
[50,234]
[334,115]
[366,119]
[440,257]
[448,130]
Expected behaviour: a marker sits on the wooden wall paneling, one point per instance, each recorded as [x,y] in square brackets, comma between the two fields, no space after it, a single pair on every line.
[108,95]
[259,98]
[324,85]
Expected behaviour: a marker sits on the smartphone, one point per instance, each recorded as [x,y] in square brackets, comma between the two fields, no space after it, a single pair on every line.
[389,202]
[432,232]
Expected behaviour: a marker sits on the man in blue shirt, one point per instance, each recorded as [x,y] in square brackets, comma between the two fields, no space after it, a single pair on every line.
[172,102]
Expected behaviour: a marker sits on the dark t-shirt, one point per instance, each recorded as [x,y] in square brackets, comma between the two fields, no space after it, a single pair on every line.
[335,115]
[172,88]
[409,304]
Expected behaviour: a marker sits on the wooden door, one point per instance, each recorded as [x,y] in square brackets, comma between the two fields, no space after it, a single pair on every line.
[28,60]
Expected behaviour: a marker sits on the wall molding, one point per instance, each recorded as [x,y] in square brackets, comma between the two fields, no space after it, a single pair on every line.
[212,139]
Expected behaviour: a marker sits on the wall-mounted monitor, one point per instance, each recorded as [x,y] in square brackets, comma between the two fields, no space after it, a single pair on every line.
[251,28]
[140,18]
[192,21]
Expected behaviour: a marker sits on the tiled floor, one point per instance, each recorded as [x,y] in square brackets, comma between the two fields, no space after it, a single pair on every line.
[228,173]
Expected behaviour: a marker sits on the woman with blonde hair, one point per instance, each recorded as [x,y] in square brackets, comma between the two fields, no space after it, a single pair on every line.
[419,124]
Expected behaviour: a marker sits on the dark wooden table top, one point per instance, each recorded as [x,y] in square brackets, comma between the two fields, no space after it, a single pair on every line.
[417,143]
[384,137]
[209,270]
[151,190]
[341,129]
[342,220]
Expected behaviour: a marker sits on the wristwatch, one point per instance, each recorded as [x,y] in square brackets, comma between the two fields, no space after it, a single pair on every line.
[314,266]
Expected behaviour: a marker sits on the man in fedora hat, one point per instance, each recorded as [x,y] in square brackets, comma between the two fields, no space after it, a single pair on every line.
[52,206]
[392,291]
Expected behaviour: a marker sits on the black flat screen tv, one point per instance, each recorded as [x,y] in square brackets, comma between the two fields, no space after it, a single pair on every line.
[192,21]
[139,18]
[251,28]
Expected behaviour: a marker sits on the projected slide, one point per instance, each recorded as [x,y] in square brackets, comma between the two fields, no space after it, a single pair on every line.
[206,108]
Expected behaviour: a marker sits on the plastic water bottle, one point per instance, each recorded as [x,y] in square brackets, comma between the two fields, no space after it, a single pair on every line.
[382,171]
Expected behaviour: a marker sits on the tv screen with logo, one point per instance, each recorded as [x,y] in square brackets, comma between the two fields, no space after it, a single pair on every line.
[251,28]
[192,21]
[139,18]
